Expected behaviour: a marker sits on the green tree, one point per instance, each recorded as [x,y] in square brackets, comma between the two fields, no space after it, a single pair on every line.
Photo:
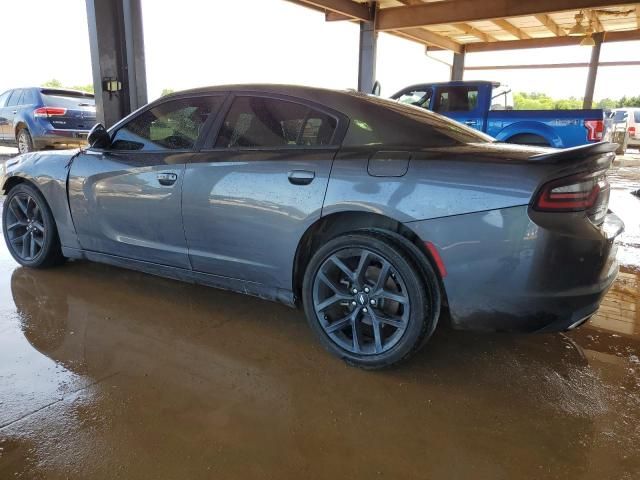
[166,91]
[53,83]
[607,103]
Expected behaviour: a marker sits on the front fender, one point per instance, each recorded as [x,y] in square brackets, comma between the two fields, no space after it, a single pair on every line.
[48,172]
[531,128]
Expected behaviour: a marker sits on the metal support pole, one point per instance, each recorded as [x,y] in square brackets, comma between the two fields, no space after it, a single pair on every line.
[593,71]
[457,69]
[367,53]
[117,57]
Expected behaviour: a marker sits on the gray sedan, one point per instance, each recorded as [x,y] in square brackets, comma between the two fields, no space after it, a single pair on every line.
[376,217]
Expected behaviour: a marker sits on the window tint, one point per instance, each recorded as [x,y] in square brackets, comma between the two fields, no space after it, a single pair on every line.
[419,98]
[29,97]
[4,97]
[390,123]
[173,125]
[456,99]
[266,122]
[15,97]
[64,99]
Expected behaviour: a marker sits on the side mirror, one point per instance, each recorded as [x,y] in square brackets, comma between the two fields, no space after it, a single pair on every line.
[99,137]
[376,88]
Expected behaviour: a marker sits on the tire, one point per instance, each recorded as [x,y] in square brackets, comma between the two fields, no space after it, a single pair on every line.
[24,141]
[29,228]
[529,139]
[345,304]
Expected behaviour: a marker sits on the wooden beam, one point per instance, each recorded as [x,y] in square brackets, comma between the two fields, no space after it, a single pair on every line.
[552,26]
[459,11]
[630,63]
[548,42]
[429,38]
[638,16]
[474,32]
[595,21]
[336,17]
[357,11]
[511,28]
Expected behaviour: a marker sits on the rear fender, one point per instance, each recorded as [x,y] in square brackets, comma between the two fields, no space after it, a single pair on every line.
[531,128]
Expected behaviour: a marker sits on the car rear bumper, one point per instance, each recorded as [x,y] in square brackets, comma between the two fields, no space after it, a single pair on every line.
[507,272]
[61,139]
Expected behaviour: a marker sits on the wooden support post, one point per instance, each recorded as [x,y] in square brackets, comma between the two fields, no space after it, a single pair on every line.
[593,71]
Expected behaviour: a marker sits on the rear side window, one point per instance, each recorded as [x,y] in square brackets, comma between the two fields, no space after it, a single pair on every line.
[67,99]
[636,116]
[172,125]
[456,99]
[393,124]
[28,98]
[265,122]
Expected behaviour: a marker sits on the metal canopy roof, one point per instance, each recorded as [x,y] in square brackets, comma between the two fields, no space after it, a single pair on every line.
[484,25]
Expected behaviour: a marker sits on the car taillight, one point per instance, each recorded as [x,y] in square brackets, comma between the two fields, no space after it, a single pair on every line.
[632,131]
[595,130]
[45,112]
[588,192]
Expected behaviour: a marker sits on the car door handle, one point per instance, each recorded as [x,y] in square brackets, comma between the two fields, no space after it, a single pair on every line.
[167,178]
[15,111]
[301,177]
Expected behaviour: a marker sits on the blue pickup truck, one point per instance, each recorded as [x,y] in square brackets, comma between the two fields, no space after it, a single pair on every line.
[488,107]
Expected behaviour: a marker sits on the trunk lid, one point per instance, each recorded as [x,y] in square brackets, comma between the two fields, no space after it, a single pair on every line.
[68,109]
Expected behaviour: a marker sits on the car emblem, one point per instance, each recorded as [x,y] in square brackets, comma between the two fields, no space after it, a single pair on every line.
[361,299]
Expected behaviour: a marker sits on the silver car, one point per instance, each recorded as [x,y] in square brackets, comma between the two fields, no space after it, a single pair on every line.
[380,219]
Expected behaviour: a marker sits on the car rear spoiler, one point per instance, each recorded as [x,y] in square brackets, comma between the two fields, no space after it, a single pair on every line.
[581,152]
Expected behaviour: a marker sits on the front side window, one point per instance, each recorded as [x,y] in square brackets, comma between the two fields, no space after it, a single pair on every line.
[419,98]
[172,125]
[254,122]
[456,99]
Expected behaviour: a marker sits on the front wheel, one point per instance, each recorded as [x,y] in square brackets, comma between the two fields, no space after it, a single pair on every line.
[29,228]
[367,302]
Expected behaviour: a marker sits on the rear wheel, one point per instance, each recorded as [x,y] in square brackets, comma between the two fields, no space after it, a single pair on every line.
[29,228]
[367,302]
[529,139]
[24,140]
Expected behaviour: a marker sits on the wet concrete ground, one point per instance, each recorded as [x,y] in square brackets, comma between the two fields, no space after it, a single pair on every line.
[106,373]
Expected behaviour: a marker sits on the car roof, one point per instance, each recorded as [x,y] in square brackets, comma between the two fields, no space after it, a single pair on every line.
[347,102]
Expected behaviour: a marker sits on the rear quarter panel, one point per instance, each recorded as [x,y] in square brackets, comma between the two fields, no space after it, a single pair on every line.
[561,128]
[436,184]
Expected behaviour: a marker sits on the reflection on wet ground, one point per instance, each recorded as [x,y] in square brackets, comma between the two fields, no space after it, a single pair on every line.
[106,373]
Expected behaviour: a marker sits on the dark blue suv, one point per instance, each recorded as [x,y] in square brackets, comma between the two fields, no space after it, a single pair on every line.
[39,118]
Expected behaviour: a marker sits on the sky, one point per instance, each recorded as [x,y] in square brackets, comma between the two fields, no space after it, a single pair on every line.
[208,42]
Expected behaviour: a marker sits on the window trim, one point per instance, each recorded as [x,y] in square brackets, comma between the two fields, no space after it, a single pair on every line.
[142,110]
[339,132]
